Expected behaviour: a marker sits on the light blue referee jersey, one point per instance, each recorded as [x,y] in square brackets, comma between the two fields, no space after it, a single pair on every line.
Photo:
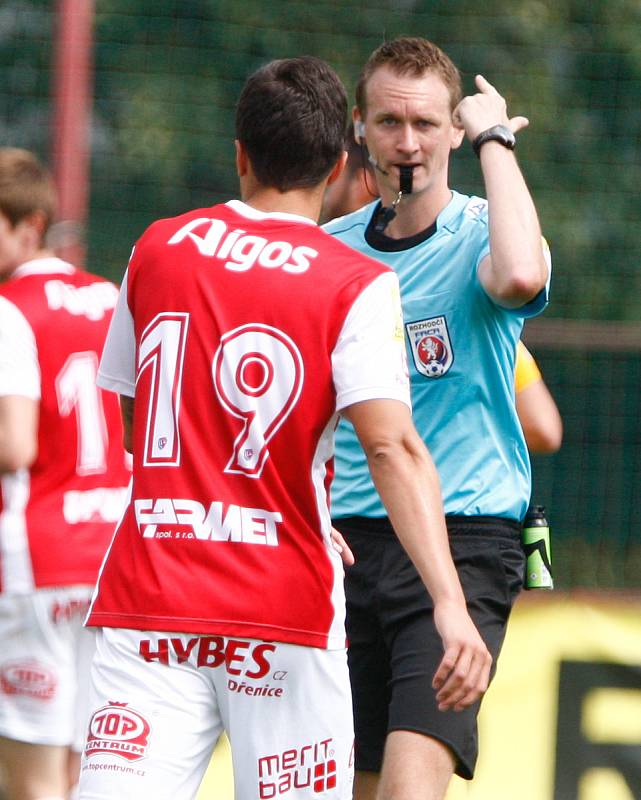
[461,348]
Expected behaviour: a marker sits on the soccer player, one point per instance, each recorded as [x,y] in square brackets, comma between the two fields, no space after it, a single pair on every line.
[63,478]
[470,271]
[241,332]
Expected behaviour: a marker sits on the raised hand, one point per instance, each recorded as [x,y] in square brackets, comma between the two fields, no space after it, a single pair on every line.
[478,112]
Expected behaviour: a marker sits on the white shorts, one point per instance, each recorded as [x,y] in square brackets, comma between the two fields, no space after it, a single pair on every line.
[45,657]
[160,701]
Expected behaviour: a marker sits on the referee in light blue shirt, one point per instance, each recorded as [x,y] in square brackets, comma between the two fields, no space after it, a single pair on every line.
[470,270]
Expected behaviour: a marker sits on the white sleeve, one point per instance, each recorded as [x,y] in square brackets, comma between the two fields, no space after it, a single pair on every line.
[369,361]
[117,371]
[19,366]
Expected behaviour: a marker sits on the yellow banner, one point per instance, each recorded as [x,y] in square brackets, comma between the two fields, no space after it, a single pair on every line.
[562,719]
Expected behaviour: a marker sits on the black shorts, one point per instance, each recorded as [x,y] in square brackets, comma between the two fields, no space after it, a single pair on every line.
[394,648]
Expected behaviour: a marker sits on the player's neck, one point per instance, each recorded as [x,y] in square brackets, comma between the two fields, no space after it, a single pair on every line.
[416,212]
[304,202]
[26,255]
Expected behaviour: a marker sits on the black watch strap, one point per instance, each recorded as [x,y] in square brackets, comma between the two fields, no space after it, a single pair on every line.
[497,133]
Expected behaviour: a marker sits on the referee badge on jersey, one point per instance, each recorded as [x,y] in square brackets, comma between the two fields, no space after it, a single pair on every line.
[431,346]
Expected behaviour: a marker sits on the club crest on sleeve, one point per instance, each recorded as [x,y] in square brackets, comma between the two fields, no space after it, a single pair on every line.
[431,346]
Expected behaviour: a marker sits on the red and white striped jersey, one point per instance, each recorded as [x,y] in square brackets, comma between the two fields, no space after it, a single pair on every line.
[241,336]
[57,518]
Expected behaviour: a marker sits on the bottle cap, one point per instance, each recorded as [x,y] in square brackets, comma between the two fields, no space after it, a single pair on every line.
[535,512]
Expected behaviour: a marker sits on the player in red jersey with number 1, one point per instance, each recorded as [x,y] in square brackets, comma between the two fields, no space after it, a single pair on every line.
[63,480]
[242,331]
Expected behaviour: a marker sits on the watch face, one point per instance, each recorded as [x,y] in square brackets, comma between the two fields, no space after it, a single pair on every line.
[498,133]
[509,137]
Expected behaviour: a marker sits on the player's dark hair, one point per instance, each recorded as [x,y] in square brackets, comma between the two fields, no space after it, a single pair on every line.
[26,186]
[409,55]
[291,118]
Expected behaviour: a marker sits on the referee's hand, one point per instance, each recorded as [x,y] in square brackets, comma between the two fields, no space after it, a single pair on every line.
[463,675]
[478,112]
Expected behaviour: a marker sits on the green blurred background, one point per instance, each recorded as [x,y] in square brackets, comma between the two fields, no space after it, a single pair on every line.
[167,74]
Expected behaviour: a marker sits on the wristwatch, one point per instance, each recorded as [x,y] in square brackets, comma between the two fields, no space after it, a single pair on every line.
[497,133]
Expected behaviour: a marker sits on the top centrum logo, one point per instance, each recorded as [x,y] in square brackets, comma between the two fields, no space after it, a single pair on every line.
[118,730]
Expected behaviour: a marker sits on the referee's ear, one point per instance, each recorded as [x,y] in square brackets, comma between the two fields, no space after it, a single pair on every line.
[458,133]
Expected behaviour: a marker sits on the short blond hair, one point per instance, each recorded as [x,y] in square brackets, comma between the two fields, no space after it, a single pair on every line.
[410,55]
[26,186]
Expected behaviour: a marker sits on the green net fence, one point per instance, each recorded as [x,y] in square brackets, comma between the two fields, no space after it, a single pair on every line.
[167,74]
[592,486]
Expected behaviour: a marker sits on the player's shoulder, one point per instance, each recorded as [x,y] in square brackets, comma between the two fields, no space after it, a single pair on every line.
[85,277]
[167,226]
[153,240]
[47,287]
[50,269]
[347,256]
[77,292]
[26,283]
[11,313]
[348,235]
[206,226]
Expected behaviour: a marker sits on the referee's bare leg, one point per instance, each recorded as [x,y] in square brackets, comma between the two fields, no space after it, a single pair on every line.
[415,767]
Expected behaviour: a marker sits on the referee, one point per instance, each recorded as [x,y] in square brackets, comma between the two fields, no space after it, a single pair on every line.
[470,270]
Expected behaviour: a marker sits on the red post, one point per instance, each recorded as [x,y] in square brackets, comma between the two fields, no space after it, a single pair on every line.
[72,98]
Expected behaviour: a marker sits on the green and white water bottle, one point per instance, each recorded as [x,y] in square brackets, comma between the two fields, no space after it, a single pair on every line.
[536,546]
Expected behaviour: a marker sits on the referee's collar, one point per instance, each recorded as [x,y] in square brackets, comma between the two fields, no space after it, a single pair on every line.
[386,244]
[449,218]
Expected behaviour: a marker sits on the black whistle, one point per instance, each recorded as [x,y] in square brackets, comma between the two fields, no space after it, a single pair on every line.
[387,214]
[405,183]
[383,219]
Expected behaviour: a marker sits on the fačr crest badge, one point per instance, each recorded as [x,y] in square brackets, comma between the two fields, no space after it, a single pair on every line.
[431,346]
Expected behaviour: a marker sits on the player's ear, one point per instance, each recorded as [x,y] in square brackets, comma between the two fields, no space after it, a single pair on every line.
[338,168]
[35,224]
[241,159]
[30,232]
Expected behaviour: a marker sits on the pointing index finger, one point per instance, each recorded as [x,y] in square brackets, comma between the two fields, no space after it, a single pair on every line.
[484,85]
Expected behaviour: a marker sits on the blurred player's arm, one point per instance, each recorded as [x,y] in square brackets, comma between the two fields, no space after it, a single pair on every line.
[18,432]
[127,413]
[406,479]
[538,413]
[516,269]
[19,390]
[117,372]
[539,418]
